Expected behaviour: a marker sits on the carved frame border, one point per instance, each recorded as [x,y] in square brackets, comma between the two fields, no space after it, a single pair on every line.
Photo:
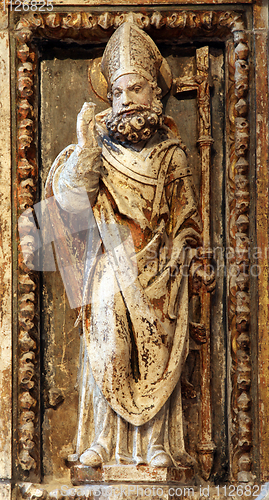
[83,25]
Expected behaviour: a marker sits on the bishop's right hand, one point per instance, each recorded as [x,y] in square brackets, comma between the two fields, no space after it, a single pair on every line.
[86,132]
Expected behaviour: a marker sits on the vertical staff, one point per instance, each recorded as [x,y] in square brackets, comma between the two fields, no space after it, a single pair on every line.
[200,83]
[205,141]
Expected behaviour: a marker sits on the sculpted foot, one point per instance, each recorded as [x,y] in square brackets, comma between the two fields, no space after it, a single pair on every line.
[91,458]
[161,460]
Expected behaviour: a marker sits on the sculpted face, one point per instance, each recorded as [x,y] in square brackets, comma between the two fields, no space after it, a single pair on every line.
[130,90]
[136,109]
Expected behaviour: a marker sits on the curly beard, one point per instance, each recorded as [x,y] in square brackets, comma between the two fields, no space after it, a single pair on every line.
[136,123]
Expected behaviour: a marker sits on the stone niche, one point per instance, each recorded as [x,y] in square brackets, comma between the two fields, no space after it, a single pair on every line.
[59,319]
[214,106]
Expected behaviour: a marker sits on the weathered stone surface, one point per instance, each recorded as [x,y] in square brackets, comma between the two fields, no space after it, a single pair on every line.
[146,474]
[248,455]
[261,305]
[5,491]
[5,262]
[3,14]
[151,2]
[130,473]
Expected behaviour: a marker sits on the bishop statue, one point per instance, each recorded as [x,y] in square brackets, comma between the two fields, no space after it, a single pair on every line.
[132,165]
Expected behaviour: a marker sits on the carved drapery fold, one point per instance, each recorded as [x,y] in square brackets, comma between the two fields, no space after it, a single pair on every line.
[180,25]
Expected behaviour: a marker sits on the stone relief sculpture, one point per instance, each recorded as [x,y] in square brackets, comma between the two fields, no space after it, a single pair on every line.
[141,266]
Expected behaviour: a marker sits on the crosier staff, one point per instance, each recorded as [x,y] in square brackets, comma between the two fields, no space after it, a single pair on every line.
[202,271]
[205,141]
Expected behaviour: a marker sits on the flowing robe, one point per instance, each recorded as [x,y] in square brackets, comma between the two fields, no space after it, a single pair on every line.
[135,317]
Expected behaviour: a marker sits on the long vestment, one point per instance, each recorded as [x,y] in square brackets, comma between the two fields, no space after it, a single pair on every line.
[135,321]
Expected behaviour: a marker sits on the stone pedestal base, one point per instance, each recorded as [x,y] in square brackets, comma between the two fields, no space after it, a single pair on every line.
[131,482]
[82,474]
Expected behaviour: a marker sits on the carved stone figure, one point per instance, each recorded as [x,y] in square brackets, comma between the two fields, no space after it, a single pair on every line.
[135,315]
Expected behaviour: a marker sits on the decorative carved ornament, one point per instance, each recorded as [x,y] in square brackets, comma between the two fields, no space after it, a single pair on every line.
[239,264]
[180,25]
